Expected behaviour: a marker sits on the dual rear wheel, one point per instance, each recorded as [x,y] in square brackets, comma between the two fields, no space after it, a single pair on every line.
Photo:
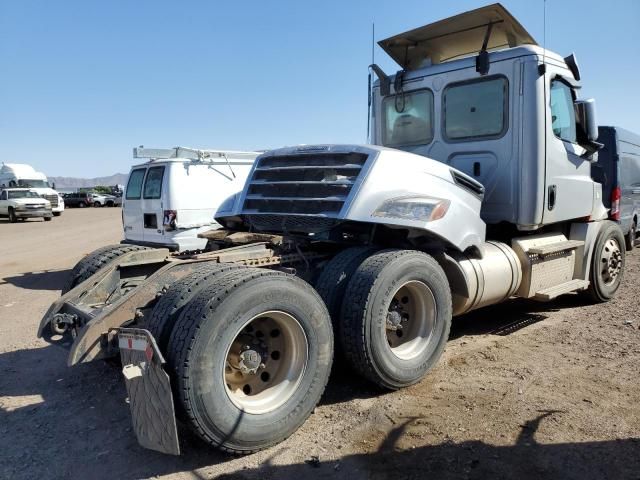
[250,350]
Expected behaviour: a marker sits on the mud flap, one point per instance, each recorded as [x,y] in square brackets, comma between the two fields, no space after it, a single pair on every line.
[149,389]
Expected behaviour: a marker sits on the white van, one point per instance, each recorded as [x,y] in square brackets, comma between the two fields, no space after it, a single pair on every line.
[19,175]
[175,195]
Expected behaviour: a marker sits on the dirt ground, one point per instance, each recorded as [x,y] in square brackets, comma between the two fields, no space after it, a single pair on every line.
[524,390]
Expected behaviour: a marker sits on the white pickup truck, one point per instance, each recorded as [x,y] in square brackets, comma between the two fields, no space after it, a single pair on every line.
[22,203]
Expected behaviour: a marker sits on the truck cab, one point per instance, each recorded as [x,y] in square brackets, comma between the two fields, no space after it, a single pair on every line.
[18,175]
[477,93]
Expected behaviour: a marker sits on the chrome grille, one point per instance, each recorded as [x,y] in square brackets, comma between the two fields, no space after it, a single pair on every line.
[315,183]
[52,198]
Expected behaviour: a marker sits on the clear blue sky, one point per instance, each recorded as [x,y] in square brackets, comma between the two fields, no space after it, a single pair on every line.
[84,81]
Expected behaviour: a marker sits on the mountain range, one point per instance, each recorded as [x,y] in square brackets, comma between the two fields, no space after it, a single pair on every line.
[73,182]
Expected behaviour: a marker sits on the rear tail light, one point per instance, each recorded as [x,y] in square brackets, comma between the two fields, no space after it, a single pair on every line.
[169,219]
[616,195]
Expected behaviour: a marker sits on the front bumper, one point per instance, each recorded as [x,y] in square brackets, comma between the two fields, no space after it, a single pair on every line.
[34,213]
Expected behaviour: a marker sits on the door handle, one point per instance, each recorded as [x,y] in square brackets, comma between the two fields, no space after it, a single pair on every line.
[551,203]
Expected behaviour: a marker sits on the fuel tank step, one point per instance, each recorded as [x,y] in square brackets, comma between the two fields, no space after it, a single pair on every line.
[548,249]
[557,290]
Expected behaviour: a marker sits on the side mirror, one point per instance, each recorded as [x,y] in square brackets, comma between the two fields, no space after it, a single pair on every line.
[586,116]
[53,185]
[587,125]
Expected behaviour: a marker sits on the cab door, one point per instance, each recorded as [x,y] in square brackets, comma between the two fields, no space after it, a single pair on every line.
[151,205]
[569,189]
[4,210]
[132,218]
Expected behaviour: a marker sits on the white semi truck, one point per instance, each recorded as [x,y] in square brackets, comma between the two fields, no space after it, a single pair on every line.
[476,189]
[19,175]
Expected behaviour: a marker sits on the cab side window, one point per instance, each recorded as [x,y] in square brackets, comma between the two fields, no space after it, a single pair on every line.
[476,109]
[563,115]
[153,183]
[134,185]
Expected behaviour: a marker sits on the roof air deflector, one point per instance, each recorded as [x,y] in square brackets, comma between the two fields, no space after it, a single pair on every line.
[457,36]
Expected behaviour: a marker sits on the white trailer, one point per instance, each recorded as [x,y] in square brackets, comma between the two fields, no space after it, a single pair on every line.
[476,190]
[19,175]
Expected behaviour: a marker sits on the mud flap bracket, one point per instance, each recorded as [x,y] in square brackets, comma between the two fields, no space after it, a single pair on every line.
[149,389]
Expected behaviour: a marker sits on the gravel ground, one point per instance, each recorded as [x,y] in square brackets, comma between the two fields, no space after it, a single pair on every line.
[524,390]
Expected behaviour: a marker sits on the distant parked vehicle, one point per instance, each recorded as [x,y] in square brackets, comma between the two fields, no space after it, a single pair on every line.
[619,165]
[22,203]
[85,199]
[113,200]
[173,197]
[18,175]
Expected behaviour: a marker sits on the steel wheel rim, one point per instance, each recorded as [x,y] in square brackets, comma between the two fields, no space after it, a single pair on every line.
[610,261]
[265,362]
[411,320]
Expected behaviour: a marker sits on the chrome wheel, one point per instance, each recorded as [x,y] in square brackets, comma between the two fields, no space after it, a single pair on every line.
[610,261]
[266,362]
[411,320]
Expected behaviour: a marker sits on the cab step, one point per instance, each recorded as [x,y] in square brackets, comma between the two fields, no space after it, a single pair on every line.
[557,290]
[544,250]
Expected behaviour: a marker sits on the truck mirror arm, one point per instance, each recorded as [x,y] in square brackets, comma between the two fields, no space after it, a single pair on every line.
[385,81]
[591,147]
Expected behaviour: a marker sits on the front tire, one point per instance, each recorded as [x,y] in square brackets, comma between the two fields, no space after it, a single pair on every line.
[630,238]
[607,263]
[97,204]
[57,214]
[251,356]
[396,317]
[47,219]
[12,215]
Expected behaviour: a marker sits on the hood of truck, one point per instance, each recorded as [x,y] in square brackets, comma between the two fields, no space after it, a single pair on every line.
[31,201]
[311,188]
[457,36]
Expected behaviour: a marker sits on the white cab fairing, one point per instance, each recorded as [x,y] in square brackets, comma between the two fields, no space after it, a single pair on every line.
[396,175]
[427,196]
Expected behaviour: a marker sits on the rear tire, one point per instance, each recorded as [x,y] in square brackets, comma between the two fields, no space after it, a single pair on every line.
[47,219]
[396,317]
[167,310]
[292,358]
[335,276]
[57,214]
[81,205]
[97,204]
[630,238]
[12,215]
[95,261]
[607,264]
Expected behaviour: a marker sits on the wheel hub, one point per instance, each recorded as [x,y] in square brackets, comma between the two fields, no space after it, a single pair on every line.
[265,362]
[411,319]
[611,261]
[395,318]
[249,361]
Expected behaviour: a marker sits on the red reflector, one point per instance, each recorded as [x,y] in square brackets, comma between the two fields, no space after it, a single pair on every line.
[616,195]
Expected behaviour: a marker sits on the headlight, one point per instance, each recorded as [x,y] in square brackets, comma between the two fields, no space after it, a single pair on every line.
[21,207]
[424,209]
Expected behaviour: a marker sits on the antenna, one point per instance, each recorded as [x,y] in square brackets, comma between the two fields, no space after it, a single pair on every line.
[544,32]
[370,93]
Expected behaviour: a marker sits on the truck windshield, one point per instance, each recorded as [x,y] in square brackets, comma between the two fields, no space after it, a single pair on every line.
[407,119]
[33,183]
[22,194]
